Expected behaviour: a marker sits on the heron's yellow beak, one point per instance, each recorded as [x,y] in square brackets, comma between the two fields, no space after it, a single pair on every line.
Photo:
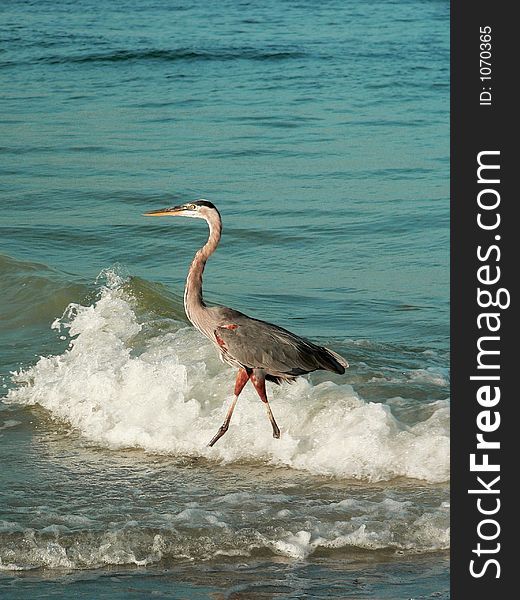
[165,212]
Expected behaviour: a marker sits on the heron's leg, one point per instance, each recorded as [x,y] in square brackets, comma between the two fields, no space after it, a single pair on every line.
[258,380]
[241,380]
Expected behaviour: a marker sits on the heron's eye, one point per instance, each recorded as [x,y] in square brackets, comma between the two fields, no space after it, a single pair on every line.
[191,207]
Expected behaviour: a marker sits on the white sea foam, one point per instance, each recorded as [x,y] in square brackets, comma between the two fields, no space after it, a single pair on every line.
[119,547]
[388,524]
[171,397]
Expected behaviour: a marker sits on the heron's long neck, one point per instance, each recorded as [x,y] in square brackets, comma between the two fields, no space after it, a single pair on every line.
[193,300]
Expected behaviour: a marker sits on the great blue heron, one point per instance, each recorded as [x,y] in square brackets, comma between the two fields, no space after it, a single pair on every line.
[261,351]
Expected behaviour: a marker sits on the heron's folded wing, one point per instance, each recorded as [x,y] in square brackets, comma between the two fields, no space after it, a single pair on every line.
[261,345]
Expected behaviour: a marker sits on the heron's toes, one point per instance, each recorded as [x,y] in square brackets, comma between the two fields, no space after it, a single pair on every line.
[222,430]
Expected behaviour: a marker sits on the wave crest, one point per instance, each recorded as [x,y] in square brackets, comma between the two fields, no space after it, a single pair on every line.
[168,393]
[178,54]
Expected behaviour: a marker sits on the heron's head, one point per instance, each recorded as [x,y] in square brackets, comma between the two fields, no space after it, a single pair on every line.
[200,209]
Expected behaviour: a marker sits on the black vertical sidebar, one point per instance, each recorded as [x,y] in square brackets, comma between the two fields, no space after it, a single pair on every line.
[484,127]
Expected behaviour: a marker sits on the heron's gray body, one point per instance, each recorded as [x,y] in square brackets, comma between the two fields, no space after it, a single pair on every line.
[260,350]
[280,353]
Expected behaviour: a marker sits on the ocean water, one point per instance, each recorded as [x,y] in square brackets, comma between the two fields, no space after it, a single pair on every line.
[320,130]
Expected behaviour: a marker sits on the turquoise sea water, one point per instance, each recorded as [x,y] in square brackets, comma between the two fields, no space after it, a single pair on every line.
[320,130]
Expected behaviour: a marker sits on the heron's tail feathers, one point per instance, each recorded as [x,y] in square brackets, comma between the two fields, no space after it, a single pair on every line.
[332,361]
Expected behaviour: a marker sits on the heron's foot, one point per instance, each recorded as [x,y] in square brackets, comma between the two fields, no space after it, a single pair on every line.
[222,430]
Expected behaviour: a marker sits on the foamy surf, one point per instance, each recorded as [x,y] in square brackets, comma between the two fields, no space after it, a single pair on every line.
[198,533]
[168,394]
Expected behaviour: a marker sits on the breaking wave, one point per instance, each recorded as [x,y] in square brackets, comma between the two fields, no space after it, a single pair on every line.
[200,534]
[126,382]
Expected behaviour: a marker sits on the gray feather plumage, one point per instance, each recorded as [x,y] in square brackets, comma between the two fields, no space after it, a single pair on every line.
[257,344]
